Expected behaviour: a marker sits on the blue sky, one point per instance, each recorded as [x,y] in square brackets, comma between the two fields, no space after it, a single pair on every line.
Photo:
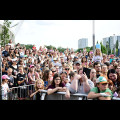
[64,33]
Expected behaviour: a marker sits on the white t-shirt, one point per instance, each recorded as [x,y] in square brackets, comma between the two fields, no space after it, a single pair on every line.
[4,91]
[97,58]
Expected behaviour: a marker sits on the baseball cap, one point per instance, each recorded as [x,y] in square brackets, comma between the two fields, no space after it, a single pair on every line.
[14,59]
[54,59]
[5,77]
[77,62]
[111,55]
[31,66]
[101,79]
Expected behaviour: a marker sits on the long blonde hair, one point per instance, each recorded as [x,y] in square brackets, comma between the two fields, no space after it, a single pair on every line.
[36,88]
[95,53]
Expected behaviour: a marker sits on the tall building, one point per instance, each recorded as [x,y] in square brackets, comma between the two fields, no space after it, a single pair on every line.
[110,40]
[105,40]
[82,43]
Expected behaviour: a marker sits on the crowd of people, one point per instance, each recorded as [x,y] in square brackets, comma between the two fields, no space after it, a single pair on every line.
[95,74]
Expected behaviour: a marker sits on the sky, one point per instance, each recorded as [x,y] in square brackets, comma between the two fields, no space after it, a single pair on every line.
[64,33]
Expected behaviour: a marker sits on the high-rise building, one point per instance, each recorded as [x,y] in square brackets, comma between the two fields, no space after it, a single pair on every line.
[111,41]
[105,40]
[82,43]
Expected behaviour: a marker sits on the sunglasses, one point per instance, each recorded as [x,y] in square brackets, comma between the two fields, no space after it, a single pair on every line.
[104,83]
[67,69]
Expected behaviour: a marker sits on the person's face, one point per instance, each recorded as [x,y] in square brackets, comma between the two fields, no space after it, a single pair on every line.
[84,59]
[113,76]
[93,73]
[6,80]
[50,74]
[16,50]
[21,62]
[113,61]
[57,69]
[104,57]
[118,69]
[57,81]
[63,76]
[9,72]
[14,62]
[32,69]
[53,72]
[67,70]
[66,80]
[4,61]
[111,67]
[104,69]
[11,50]
[103,86]
[81,71]
[62,60]
[98,68]
[27,51]
[77,66]
[110,86]
[7,47]
[98,52]
[21,70]
[39,85]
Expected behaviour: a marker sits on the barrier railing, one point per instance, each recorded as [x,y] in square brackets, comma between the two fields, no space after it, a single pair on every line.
[19,93]
[24,92]
[61,96]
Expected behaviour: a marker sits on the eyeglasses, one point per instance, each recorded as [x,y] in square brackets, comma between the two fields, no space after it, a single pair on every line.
[63,72]
[57,79]
[67,69]
[53,71]
[104,83]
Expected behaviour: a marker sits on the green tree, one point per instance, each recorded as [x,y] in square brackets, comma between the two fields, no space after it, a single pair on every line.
[5,32]
[28,46]
[60,49]
[50,47]
[103,48]
[117,44]
[4,35]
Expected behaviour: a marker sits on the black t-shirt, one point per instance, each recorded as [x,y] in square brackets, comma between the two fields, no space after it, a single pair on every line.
[21,77]
[38,96]
[5,53]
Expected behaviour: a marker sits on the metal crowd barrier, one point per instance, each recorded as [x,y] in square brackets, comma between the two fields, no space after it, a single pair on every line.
[20,93]
[61,96]
[24,92]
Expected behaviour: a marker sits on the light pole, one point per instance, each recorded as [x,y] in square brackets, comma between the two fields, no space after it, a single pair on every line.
[114,45]
[93,35]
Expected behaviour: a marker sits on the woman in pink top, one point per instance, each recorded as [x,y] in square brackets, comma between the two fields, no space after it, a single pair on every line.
[32,75]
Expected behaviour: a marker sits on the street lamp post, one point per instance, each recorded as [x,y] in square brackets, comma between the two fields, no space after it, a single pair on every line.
[93,35]
[114,45]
